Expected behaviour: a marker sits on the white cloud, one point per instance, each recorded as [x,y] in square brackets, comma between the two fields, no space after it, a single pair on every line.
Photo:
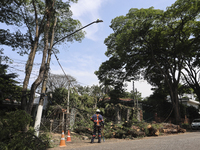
[87,8]
[87,11]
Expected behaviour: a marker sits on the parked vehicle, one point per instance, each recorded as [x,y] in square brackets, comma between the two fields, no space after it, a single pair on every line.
[195,124]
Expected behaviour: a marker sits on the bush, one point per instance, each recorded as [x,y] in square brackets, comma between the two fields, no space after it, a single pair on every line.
[12,136]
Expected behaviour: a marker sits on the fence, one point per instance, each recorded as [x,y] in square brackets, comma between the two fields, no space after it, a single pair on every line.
[58,125]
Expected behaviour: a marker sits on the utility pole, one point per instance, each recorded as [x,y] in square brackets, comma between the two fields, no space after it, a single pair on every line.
[40,107]
[137,109]
[136,98]
[134,94]
[134,111]
[68,98]
[68,116]
[43,91]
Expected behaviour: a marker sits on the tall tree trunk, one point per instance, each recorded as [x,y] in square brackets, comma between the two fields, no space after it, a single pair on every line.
[36,84]
[29,66]
[172,83]
[39,79]
[29,63]
[175,103]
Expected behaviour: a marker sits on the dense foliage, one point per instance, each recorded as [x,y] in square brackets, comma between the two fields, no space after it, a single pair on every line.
[12,136]
[8,87]
[155,45]
[34,23]
[159,46]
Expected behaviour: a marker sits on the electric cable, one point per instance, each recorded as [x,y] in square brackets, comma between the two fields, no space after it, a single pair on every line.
[64,72]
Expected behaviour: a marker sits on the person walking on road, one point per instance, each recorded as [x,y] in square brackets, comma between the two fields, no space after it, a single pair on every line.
[98,123]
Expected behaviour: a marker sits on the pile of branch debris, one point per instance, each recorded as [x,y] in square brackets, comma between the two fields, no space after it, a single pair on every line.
[133,131]
[165,128]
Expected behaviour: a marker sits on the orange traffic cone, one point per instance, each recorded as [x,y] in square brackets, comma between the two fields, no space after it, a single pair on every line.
[68,137]
[62,141]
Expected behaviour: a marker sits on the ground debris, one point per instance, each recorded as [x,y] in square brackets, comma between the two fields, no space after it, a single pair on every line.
[166,128]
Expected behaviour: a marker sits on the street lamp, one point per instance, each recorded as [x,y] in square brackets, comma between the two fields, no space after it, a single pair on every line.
[97,21]
[40,106]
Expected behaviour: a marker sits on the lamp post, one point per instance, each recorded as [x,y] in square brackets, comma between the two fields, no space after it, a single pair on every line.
[40,106]
[97,21]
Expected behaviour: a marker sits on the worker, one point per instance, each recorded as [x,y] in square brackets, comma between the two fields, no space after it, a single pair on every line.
[98,123]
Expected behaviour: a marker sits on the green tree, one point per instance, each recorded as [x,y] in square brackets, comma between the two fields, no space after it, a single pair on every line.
[191,76]
[8,85]
[146,41]
[59,96]
[184,89]
[37,17]
[97,94]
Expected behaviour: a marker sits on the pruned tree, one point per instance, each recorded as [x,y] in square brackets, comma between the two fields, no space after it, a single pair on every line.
[35,16]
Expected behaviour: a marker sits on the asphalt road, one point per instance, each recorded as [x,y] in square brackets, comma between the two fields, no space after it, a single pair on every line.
[186,141]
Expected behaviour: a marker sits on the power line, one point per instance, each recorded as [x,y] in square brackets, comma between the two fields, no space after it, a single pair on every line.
[64,71]
[23,61]
[21,70]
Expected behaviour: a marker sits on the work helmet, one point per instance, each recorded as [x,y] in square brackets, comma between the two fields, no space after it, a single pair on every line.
[98,110]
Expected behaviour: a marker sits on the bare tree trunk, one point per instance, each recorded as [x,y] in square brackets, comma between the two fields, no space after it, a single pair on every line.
[29,67]
[175,103]
[35,85]
[42,67]
[25,83]
[29,64]
[177,111]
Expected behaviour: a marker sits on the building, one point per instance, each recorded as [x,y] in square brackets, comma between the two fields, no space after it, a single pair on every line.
[190,102]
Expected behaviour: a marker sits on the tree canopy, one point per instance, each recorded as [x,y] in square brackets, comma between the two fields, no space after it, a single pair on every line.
[27,15]
[9,88]
[153,44]
[34,29]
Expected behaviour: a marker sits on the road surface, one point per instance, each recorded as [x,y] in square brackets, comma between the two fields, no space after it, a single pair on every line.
[186,141]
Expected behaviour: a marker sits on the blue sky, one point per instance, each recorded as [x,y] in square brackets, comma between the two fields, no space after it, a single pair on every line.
[80,60]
